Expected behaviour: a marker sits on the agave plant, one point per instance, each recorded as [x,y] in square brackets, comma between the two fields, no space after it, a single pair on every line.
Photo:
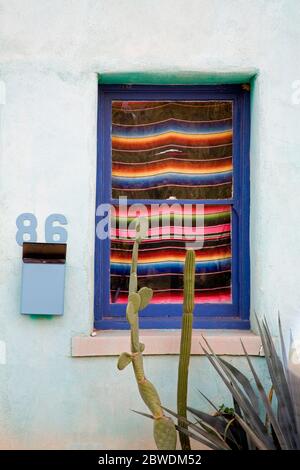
[244,427]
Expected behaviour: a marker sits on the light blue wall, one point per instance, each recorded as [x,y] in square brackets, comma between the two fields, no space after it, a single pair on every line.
[49,400]
[51,53]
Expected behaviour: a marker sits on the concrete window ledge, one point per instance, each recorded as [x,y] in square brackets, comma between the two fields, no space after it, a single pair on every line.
[166,342]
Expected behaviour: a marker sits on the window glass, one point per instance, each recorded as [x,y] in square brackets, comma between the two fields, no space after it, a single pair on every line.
[178,149]
[170,230]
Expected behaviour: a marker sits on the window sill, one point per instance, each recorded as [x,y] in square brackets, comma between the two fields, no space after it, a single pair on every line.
[166,342]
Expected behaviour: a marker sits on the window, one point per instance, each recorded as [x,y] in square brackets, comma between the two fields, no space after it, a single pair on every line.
[179,157]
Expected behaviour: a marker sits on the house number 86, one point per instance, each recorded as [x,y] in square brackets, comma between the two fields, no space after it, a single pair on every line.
[54,233]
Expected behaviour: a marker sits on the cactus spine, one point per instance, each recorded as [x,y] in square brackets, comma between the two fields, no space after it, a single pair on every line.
[164,428]
[185,343]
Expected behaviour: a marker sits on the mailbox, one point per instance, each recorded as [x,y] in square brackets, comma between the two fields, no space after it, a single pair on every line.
[43,278]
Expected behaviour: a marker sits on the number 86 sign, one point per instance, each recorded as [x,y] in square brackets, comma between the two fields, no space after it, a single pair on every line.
[54,233]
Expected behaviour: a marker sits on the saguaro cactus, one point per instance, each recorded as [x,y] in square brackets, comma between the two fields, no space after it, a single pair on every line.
[164,428]
[185,343]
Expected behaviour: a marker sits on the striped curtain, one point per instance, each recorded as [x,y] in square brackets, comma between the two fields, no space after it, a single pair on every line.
[172,149]
[178,150]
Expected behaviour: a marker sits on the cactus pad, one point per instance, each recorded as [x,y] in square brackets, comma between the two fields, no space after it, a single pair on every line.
[135,299]
[146,295]
[133,282]
[150,397]
[130,313]
[164,433]
[124,360]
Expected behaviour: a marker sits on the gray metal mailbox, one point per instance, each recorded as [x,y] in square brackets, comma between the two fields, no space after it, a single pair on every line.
[43,278]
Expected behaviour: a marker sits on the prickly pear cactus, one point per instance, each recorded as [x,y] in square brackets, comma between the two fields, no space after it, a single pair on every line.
[164,430]
[185,343]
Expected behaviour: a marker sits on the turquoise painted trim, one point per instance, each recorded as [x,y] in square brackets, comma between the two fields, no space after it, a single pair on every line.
[176,78]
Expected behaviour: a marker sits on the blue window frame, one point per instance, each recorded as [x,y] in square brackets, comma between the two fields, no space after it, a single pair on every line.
[233,314]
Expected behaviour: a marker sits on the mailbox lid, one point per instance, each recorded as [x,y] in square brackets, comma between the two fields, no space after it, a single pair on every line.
[45,253]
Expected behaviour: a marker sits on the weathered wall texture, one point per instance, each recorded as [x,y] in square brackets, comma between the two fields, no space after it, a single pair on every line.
[50,54]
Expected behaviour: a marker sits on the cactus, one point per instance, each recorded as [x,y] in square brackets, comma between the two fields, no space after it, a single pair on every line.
[164,430]
[185,344]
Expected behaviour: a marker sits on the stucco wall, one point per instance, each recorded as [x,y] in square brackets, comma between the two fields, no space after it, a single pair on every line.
[50,55]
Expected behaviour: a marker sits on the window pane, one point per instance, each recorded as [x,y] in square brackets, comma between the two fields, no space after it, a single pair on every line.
[162,253]
[180,149]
